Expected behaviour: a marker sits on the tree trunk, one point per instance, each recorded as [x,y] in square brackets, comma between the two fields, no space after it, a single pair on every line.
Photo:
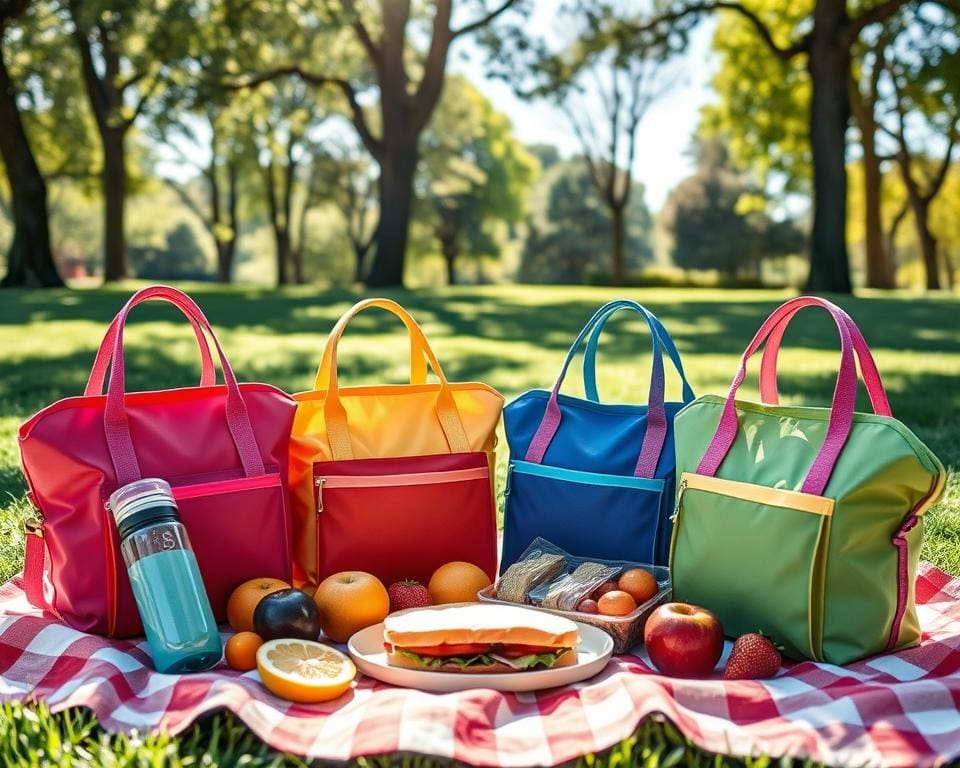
[395,186]
[360,251]
[448,246]
[879,267]
[928,243]
[29,261]
[114,193]
[949,268]
[618,226]
[829,65]
[282,240]
[225,251]
[296,260]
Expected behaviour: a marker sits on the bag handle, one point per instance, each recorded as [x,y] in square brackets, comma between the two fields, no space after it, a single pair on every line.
[656,414]
[868,367]
[98,373]
[335,415]
[590,353]
[842,408]
[115,421]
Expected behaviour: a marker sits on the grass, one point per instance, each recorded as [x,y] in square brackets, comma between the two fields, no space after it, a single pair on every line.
[511,337]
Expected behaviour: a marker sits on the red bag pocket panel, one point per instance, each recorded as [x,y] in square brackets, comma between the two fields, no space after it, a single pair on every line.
[238,529]
[402,518]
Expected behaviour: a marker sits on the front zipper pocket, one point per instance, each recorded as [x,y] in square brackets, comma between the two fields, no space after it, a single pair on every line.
[404,479]
[590,514]
[755,556]
[238,529]
[402,518]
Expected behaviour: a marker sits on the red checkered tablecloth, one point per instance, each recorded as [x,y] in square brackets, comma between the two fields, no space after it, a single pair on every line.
[897,710]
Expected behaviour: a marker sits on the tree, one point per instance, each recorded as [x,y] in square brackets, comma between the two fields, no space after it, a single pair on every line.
[865,99]
[408,79]
[476,174]
[282,118]
[925,82]
[710,229]
[220,136]
[342,173]
[29,259]
[126,52]
[568,228]
[824,39]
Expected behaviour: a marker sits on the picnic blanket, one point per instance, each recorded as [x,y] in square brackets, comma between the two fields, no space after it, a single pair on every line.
[896,710]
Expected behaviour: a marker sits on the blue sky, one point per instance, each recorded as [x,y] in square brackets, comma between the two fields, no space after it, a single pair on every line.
[664,135]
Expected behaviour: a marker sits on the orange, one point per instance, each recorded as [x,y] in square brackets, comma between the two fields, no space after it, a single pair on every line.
[243,600]
[303,670]
[616,603]
[639,584]
[350,601]
[457,582]
[241,651]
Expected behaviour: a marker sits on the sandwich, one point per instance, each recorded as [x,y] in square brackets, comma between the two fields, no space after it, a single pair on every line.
[476,637]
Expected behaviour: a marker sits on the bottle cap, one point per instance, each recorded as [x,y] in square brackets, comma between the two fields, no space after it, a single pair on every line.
[142,503]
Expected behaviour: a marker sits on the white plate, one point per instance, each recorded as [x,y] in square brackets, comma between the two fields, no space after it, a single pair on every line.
[593,653]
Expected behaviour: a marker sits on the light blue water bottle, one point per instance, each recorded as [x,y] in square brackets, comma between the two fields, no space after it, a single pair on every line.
[173,604]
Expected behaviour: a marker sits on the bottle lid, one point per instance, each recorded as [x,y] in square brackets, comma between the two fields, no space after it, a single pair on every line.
[141,503]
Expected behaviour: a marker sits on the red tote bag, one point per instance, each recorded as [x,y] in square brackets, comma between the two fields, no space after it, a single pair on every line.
[223,449]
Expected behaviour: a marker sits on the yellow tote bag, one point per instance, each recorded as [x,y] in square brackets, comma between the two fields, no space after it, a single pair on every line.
[393,479]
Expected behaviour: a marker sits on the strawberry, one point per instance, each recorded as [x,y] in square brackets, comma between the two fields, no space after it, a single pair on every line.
[754,657]
[408,594]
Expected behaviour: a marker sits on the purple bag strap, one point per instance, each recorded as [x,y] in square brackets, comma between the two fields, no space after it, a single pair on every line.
[842,408]
[115,422]
[656,432]
[868,367]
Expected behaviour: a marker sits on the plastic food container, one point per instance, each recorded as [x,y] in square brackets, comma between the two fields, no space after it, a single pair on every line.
[626,631]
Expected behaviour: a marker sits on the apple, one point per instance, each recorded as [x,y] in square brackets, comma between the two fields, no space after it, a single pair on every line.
[588,606]
[683,640]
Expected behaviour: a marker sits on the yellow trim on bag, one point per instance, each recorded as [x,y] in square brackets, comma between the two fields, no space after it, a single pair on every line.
[773,497]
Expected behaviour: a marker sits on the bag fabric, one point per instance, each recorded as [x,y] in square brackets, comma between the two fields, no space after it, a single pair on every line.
[803,522]
[596,479]
[392,479]
[223,449]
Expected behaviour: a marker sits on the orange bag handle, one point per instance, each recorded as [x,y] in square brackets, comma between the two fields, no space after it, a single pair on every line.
[335,415]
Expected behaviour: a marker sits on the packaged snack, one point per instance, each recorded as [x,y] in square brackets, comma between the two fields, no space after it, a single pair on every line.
[523,576]
[552,580]
[566,592]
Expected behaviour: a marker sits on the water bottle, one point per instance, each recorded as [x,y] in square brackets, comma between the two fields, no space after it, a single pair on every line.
[173,604]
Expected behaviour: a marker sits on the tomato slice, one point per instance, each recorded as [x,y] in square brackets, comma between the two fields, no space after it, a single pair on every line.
[449,649]
[517,650]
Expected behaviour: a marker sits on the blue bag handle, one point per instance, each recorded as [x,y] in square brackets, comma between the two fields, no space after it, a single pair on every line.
[656,327]
[656,414]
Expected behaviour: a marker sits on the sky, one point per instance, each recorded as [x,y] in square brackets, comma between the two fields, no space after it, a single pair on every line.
[664,135]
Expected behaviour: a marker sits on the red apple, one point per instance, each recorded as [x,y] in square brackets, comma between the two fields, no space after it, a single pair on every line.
[588,606]
[683,640]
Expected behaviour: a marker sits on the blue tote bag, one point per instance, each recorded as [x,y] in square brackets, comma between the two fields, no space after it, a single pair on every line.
[596,479]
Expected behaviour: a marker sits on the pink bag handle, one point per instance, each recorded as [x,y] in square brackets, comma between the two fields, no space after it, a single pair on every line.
[842,408]
[98,374]
[868,367]
[115,422]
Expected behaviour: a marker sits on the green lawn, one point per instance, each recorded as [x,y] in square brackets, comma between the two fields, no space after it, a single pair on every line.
[511,337]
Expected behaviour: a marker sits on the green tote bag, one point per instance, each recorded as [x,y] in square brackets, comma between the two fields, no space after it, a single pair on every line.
[803,523]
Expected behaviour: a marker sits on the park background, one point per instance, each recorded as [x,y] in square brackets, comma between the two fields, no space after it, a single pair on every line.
[280,160]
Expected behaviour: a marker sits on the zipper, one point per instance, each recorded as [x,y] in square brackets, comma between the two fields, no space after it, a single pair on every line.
[506,485]
[387,481]
[215,487]
[680,489]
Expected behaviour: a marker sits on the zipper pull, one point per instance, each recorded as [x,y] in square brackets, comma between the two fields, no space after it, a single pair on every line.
[506,488]
[319,483]
[676,510]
